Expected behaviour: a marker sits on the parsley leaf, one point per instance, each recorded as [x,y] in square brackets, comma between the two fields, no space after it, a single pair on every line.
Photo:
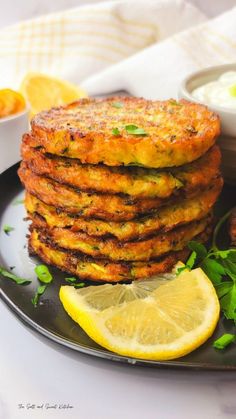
[228,303]
[43,274]
[173,102]
[230,269]
[73,280]
[223,288]
[232,255]
[130,129]
[79,285]
[213,269]
[134,130]
[18,202]
[189,264]
[40,290]
[220,266]
[191,260]
[199,248]
[224,341]
[117,105]
[7,229]
[16,279]
[116,132]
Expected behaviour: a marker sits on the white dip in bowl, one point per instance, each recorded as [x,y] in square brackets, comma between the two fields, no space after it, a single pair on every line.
[215,87]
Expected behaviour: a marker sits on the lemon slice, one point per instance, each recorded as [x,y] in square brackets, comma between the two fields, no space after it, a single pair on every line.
[156,319]
[43,92]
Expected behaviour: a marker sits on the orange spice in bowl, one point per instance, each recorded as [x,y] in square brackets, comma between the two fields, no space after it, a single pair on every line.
[11,103]
[14,122]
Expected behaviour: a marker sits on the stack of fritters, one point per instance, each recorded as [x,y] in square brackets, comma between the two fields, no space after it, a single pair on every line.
[116,188]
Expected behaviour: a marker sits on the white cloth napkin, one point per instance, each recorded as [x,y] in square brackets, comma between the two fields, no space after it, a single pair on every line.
[157,72]
[78,43]
[145,47]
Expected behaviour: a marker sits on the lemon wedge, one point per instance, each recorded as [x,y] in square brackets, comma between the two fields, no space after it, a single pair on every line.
[43,92]
[156,319]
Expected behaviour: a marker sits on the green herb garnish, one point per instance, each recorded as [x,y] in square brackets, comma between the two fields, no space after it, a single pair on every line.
[72,281]
[134,130]
[174,102]
[220,266]
[130,129]
[43,274]
[7,229]
[116,132]
[79,285]
[18,202]
[117,105]
[40,290]
[224,341]
[16,279]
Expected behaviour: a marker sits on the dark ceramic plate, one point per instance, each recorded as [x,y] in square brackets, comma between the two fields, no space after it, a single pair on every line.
[50,319]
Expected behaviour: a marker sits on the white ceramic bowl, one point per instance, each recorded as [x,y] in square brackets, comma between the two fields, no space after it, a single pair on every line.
[227,140]
[11,130]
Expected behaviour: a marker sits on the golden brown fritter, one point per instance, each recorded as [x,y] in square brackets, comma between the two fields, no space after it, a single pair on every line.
[102,206]
[137,182]
[200,173]
[99,270]
[139,132]
[165,219]
[143,250]
[103,270]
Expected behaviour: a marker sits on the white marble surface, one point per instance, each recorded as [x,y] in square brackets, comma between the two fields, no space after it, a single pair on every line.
[35,371]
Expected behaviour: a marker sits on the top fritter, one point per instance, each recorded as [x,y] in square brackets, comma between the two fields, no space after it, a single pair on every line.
[127,131]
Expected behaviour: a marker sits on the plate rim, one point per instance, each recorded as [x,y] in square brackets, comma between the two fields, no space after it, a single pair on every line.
[105,354]
[102,353]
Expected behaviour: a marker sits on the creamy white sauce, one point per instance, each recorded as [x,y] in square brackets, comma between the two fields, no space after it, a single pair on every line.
[221,92]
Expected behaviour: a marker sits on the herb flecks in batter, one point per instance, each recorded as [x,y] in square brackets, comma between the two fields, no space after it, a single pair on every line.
[134,130]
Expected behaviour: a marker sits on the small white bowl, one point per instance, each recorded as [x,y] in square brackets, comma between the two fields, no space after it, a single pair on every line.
[227,140]
[11,130]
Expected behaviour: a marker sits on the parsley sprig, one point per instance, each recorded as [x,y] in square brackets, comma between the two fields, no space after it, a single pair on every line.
[134,130]
[72,281]
[43,274]
[7,229]
[18,202]
[220,266]
[40,290]
[117,105]
[130,129]
[45,277]
[15,278]
[224,341]
[116,132]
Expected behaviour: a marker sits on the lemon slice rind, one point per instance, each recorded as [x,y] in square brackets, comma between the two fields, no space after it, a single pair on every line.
[123,328]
